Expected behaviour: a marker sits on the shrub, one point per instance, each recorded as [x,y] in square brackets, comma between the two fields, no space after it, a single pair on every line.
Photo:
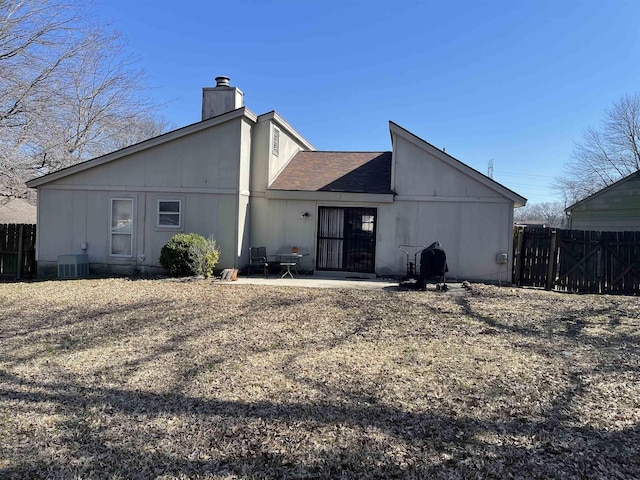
[203,257]
[189,254]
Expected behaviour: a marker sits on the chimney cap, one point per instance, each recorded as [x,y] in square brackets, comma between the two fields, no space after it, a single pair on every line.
[222,81]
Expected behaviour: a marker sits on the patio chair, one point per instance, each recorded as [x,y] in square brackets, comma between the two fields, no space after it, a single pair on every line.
[258,260]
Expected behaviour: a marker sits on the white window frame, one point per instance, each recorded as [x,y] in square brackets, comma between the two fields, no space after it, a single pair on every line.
[111,230]
[179,213]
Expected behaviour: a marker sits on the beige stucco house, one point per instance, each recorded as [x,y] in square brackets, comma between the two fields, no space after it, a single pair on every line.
[253,180]
[615,208]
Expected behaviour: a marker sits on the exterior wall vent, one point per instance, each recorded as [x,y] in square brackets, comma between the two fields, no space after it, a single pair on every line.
[275,150]
[73,266]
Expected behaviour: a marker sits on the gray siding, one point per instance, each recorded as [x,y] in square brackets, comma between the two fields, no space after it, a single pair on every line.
[201,169]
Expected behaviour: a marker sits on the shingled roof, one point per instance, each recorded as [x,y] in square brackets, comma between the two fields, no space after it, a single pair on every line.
[358,172]
[17,211]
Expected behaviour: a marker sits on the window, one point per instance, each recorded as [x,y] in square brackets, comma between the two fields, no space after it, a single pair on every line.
[169,213]
[367,223]
[121,227]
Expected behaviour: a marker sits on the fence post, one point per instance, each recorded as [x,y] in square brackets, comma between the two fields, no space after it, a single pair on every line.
[517,258]
[551,263]
[19,263]
[601,270]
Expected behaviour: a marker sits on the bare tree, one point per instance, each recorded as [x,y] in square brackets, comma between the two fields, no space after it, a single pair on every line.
[33,43]
[69,91]
[97,109]
[551,213]
[606,154]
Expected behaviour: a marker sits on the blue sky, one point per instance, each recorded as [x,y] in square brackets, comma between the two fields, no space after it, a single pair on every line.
[516,82]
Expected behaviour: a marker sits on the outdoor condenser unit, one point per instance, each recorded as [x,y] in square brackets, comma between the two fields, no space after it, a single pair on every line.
[73,266]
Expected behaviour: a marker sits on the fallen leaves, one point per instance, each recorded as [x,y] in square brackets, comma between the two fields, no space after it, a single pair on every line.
[115,378]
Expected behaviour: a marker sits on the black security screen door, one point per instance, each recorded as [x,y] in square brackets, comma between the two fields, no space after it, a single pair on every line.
[346,239]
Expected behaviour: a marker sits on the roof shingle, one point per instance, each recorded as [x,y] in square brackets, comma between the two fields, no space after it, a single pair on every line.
[17,211]
[358,172]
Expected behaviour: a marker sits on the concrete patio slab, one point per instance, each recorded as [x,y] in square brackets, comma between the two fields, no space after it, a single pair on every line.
[312,281]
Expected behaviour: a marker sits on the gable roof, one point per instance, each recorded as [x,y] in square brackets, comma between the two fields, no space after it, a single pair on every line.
[396,129]
[356,172]
[633,176]
[282,123]
[144,145]
[17,211]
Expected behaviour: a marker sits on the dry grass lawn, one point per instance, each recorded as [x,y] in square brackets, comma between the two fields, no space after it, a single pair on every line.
[166,379]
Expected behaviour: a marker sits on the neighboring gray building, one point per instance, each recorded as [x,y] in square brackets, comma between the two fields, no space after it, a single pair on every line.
[253,180]
[615,208]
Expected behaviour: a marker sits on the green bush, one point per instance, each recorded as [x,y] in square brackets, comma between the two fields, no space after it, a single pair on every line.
[189,254]
[203,257]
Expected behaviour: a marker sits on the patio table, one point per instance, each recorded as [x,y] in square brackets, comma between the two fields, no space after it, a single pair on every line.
[288,261]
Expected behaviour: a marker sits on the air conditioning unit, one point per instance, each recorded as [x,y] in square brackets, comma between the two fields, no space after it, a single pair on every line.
[73,266]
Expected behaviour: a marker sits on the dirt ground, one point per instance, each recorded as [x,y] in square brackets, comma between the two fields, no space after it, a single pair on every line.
[115,378]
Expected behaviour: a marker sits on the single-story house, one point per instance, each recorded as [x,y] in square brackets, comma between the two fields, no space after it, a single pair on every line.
[17,210]
[615,208]
[252,180]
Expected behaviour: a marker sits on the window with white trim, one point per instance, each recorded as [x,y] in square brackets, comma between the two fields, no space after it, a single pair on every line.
[169,213]
[121,227]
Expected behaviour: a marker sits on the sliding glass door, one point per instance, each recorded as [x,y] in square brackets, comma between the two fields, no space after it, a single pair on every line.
[346,239]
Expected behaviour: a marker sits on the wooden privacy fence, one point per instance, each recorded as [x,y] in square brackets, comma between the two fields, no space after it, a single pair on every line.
[577,261]
[17,250]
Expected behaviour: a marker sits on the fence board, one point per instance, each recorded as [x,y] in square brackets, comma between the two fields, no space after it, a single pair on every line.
[578,261]
[17,250]
[621,252]
[532,261]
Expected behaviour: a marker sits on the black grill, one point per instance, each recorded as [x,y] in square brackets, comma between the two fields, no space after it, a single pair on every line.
[433,267]
[433,263]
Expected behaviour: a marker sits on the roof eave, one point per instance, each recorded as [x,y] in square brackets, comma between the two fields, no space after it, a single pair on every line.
[282,123]
[602,190]
[329,196]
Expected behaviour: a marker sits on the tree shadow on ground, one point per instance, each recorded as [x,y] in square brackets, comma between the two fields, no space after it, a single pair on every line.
[260,441]
[118,432]
[569,325]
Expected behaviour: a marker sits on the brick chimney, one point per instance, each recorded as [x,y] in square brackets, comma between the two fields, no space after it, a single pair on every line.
[220,99]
